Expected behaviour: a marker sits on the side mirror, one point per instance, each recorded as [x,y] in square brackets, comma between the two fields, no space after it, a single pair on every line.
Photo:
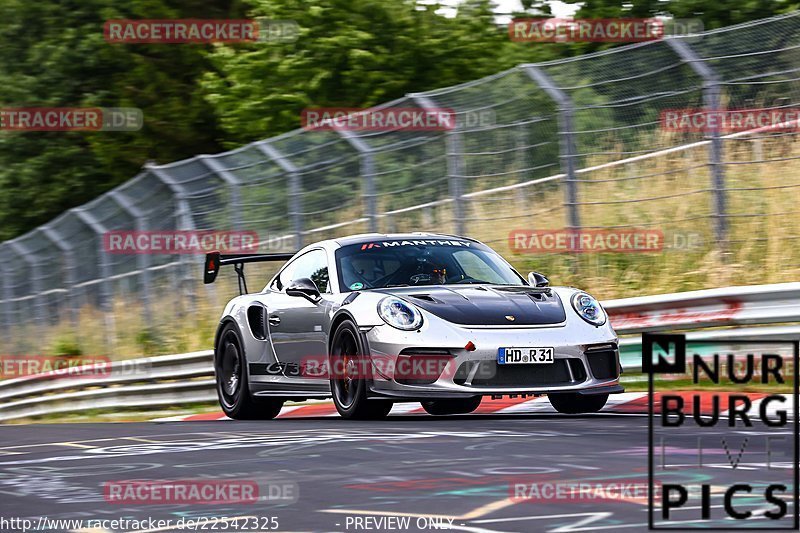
[304,287]
[537,280]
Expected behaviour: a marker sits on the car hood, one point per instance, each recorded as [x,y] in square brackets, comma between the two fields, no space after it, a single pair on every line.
[486,305]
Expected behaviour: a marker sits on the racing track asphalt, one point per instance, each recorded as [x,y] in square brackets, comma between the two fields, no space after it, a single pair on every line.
[459,467]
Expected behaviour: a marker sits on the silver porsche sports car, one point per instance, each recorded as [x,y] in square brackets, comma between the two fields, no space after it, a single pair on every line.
[375,319]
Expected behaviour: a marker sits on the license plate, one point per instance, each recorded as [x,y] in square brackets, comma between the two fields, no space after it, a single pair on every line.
[525,356]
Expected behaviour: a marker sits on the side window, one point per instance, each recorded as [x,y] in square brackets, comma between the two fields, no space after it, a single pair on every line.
[313,264]
[283,278]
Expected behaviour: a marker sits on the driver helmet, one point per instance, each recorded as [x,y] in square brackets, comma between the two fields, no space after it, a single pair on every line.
[428,272]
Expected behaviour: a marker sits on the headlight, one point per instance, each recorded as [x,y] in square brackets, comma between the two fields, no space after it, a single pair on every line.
[399,314]
[588,308]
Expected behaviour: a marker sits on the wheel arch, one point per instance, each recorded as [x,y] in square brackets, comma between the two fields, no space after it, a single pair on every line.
[222,324]
[337,320]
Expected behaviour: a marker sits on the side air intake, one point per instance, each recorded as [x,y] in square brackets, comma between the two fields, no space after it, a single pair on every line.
[255,318]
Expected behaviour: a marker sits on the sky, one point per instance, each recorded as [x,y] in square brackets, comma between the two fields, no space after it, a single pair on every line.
[559,9]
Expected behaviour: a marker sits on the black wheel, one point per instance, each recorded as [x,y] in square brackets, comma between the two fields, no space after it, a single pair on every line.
[452,407]
[349,376]
[573,403]
[232,388]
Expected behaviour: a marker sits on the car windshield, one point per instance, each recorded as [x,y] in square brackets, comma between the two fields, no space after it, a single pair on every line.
[399,263]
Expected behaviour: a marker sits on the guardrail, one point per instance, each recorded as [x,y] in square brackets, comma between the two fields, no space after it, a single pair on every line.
[728,306]
[188,378]
[146,382]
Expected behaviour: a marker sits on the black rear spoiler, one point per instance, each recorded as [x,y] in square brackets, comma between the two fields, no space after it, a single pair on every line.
[215,260]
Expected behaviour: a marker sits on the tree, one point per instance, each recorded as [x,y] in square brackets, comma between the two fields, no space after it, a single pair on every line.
[714,14]
[53,53]
[352,53]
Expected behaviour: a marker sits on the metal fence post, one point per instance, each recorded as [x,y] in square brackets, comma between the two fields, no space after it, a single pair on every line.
[711,101]
[105,271]
[367,161]
[295,187]
[69,273]
[455,165]
[35,279]
[567,147]
[232,182]
[142,260]
[520,142]
[184,221]
[8,295]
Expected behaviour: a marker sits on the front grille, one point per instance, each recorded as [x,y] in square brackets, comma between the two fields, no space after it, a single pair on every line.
[490,374]
[603,363]
[421,366]
[578,370]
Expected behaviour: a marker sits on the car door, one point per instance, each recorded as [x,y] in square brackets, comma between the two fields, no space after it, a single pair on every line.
[295,323]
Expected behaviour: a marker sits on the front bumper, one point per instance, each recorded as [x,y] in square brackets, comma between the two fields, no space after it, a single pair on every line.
[586,361]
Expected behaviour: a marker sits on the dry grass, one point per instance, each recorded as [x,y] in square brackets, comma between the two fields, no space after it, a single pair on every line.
[763,235]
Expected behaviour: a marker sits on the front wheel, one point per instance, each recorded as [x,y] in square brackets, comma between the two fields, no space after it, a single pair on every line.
[232,388]
[572,403]
[349,376]
[452,406]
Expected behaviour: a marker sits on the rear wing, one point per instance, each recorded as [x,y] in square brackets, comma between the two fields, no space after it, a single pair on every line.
[215,260]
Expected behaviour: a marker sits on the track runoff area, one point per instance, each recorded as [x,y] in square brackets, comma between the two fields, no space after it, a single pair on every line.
[711,456]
